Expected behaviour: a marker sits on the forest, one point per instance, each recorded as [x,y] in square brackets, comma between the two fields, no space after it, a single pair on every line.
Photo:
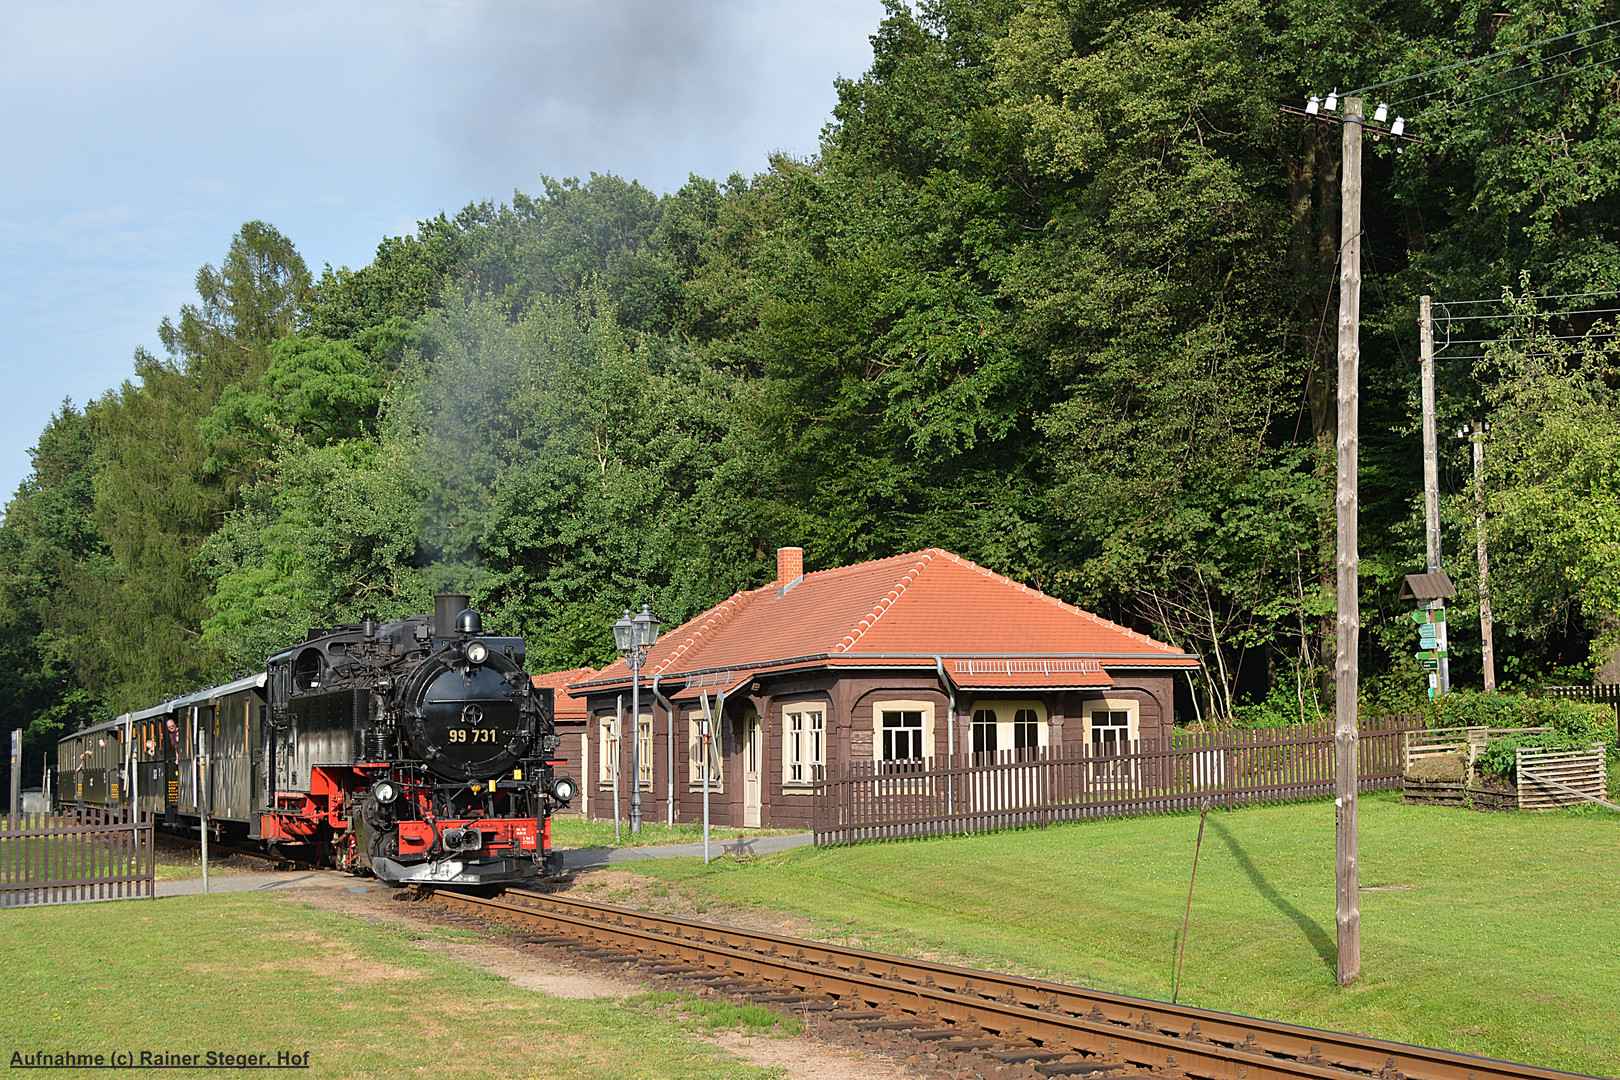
[1057,293]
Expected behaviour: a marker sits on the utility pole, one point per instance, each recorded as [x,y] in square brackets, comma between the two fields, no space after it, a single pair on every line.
[1347,666]
[1440,681]
[1487,647]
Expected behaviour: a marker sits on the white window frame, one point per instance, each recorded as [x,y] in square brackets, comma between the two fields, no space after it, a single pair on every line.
[804,726]
[903,705]
[694,754]
[609,761]
[646,760]
[1130,706]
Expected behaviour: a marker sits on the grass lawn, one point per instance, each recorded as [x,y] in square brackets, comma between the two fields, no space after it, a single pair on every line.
[576,832]
[255,975]
[1490,933]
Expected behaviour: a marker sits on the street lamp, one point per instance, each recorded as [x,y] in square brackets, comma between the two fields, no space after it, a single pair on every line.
[634,635]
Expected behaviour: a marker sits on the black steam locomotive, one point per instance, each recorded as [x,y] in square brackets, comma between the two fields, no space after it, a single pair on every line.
[417,750]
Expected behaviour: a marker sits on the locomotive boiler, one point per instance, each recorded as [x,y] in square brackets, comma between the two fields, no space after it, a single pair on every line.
[417,750]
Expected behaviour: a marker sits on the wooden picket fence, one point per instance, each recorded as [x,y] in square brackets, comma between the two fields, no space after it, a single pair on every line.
[82,853]
[967,793]
[1553,778]
[1601,694]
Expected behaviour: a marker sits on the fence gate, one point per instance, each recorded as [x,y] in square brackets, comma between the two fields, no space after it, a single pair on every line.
[79,854]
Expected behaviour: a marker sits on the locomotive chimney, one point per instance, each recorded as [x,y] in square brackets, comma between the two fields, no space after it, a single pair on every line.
[445,609]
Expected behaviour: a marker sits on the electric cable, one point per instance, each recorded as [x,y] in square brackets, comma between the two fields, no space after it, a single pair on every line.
[1610,295]
[1455,87]
[1521,86]
[1481,59]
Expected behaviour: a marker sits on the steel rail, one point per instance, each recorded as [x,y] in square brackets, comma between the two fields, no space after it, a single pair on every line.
[1115,1029]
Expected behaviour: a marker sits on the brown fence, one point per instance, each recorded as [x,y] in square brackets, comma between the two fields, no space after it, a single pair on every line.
[1603,694]
[79,854]
[977,793]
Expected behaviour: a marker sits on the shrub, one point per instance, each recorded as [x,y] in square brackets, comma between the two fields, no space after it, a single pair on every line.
[1580,721]
[1573,724]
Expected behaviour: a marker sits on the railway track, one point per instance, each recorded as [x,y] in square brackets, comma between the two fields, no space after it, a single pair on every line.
[1029,1025]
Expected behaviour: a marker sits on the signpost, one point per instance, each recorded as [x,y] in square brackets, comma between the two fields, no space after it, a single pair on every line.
[1431,591]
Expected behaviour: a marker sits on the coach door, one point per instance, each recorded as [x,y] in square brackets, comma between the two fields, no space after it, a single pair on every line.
[752,752]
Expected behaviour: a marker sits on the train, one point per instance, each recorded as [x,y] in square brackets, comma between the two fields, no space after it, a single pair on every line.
[417,751]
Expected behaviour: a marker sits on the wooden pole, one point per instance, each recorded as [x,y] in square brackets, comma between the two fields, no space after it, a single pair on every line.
[1487,646]
[1440,681]
[1347,669]
[1186,919]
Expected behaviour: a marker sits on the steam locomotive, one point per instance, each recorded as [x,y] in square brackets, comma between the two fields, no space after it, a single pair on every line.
[418,751]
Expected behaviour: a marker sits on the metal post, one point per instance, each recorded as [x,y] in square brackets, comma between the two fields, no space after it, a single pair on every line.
[703,747]
[16,772]
[635,658]
[1440,681]
[1487,645]
[1347,667]
[613,745]
[198,731]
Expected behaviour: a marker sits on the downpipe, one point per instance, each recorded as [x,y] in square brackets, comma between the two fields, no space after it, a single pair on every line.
[669,713]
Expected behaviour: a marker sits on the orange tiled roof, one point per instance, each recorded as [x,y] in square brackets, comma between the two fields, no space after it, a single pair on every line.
[568,707]
[914,607]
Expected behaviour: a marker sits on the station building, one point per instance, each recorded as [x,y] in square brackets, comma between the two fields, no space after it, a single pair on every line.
[896,660]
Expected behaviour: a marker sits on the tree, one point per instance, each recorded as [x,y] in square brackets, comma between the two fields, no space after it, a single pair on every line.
[48,530]
[135,618]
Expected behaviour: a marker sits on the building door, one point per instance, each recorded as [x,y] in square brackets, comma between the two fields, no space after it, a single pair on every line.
[752,752]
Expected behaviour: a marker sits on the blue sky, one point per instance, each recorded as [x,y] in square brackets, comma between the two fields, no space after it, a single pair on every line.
[138,137]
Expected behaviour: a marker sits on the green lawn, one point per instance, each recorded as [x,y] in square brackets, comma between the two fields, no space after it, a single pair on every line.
[256,975]
[1503,942]
[574,832]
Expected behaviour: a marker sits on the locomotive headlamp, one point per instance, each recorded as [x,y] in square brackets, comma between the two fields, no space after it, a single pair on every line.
[384,791]
[563,789]
[477,652]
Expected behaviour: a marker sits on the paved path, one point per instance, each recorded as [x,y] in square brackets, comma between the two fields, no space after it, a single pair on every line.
[575,858]
[238,883]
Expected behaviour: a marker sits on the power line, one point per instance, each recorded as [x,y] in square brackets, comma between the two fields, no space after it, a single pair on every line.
[1480,59]
[1522,86]
[1503,73]
[1537,337]
[1609,295]
[1537,314]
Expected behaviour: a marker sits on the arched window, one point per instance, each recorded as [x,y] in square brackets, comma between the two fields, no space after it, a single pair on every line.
[984,736]
[1026,734]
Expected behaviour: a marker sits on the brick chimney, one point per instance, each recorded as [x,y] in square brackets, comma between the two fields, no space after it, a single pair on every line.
[789,565]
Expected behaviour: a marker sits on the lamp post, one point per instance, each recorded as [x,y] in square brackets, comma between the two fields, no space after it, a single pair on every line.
[634,635]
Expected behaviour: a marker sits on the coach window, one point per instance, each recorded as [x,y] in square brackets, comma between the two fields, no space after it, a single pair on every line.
[804,745]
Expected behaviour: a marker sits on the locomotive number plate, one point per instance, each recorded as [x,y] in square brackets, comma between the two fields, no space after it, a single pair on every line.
[472,735]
